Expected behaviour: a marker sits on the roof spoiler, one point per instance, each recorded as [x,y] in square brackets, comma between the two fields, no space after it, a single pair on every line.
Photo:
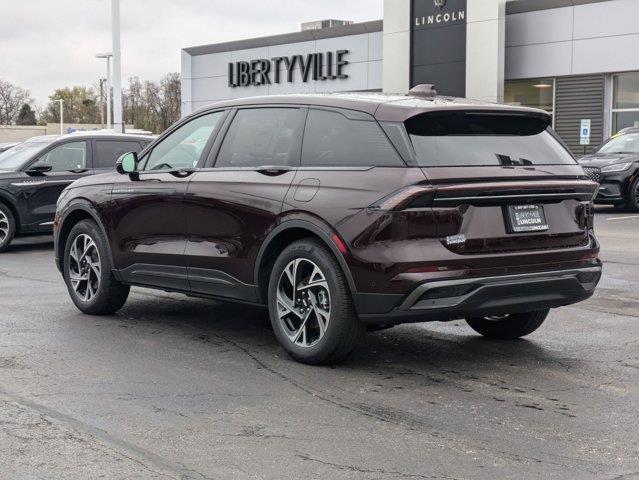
[425,90]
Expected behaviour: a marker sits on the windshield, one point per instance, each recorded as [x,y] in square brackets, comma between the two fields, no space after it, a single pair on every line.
[628,143]
[16,157]
[461,139]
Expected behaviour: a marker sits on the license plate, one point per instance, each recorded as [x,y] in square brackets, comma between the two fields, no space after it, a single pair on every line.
[526,218]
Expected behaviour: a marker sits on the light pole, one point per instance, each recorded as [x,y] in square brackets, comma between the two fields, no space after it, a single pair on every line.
[61,116]
[118,125]
[108,56]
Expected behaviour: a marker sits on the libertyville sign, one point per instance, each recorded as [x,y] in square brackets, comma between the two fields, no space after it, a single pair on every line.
[315,66]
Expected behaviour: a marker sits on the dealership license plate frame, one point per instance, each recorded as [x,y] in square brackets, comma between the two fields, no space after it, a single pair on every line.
[516,223]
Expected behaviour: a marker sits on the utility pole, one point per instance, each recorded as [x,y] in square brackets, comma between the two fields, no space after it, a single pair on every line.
[61,116]
[102,82]
[118,125]
[107,56]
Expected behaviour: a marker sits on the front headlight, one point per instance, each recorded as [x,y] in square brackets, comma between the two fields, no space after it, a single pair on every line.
[619,167]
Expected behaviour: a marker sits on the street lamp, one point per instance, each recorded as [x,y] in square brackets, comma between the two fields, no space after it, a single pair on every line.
[61,116]
[107,56]
[118,125]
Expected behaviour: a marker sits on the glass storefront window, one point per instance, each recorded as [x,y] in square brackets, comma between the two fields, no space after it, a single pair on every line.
[533,92]
[625,101]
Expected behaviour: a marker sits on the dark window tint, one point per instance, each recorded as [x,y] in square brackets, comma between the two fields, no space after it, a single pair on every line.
[108,151]
[263,136]
[331,139]
[458,139]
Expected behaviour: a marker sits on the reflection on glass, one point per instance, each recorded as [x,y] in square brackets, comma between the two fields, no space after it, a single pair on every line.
[626,91]
[621,120]
[534,92]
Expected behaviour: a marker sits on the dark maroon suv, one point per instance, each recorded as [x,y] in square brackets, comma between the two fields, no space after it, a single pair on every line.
[342,213]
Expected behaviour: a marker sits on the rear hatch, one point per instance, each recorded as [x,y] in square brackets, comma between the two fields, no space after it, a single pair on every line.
[503,181]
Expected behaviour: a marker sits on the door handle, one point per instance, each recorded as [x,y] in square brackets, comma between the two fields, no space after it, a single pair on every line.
[274,171]
[183,172]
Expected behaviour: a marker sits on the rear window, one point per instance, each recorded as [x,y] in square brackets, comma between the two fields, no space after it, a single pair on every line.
[462,139]
[108,151]
[333,140]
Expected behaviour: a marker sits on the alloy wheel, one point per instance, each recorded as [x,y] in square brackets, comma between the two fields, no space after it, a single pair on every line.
[303,302]
[84,267]
[4,227]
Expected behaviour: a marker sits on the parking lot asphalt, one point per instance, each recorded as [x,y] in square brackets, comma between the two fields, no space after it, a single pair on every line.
[172,387]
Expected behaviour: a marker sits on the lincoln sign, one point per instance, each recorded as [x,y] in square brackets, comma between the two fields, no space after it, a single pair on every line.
[313,66]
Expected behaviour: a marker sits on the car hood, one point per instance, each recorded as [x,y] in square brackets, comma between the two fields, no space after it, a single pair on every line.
[603,160]
[9,175]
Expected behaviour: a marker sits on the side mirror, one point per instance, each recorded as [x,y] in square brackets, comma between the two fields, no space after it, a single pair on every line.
[38,169]
[127,163]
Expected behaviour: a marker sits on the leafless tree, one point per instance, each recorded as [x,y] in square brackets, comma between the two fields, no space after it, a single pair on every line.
[12,99]
[153,106]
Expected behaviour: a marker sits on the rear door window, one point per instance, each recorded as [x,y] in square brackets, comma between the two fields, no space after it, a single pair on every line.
[332,139]
[106,152]
[461,139]
[263,137]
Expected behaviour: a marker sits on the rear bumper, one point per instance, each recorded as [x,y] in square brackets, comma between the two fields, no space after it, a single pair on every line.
[460,298]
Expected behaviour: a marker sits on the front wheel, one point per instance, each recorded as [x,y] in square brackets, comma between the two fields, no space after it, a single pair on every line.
[310,305]
[633,196]
[88,273]
[508,327]
[7,227]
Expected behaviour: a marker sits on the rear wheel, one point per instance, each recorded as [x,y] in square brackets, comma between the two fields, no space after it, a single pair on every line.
[508,327]
[633,196]
[7,227]
[310,305]
[88,272]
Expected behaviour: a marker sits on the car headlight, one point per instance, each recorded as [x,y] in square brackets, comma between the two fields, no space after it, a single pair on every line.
[618,167]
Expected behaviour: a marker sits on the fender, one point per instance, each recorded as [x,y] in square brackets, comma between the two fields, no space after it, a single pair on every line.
[85,206]
[322,232]
[10,200]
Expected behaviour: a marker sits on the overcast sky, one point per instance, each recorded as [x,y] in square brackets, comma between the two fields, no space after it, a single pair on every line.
[47,44]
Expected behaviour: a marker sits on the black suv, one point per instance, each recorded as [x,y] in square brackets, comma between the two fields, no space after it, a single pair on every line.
[34,173]
[615,165]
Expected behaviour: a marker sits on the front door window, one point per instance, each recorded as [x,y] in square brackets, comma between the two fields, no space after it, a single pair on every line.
[183,148]
[66,158]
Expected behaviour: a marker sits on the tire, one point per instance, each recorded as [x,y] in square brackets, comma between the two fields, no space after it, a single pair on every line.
[342,330]
[98,293]
[7,227]
[632,203]
[510,327]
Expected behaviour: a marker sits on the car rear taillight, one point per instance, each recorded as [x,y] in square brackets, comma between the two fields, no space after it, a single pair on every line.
[415,196]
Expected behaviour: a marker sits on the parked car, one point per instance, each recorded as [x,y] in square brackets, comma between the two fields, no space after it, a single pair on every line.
[34,173]
[342,212]
[6,146]
[615,166]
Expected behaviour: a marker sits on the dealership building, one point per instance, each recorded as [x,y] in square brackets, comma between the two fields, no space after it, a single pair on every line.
[577,59]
